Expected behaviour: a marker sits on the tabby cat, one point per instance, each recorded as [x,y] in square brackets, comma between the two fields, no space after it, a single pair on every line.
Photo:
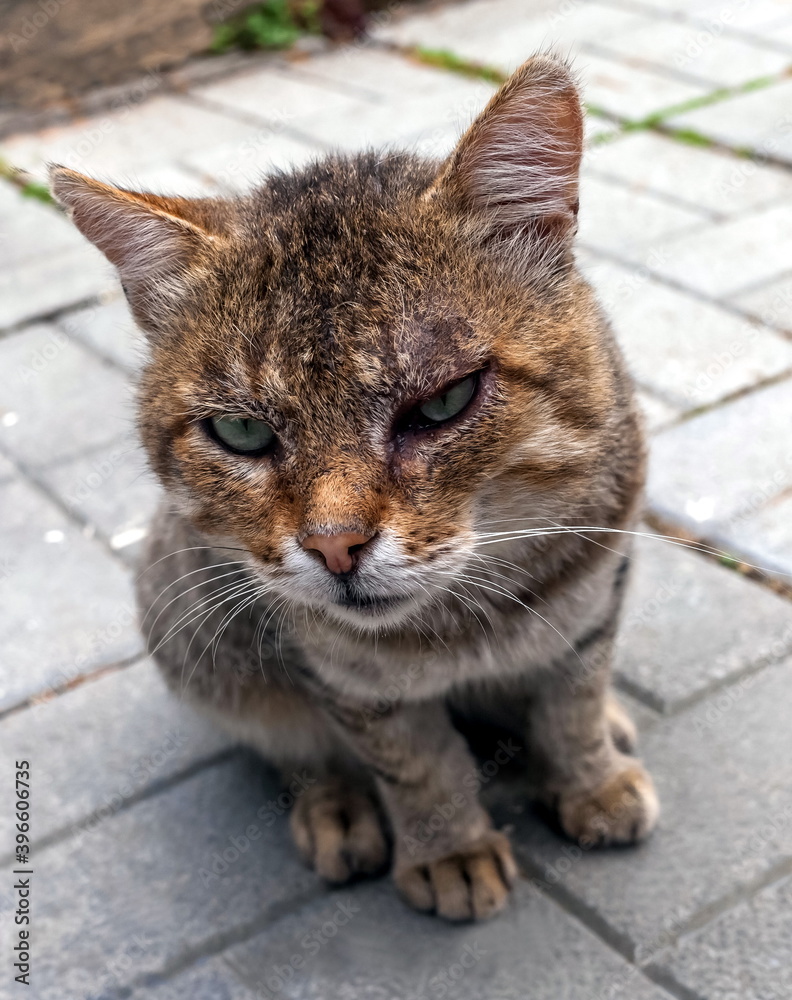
[383,404]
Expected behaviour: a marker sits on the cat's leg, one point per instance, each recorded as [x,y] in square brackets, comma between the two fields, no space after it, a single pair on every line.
[336,818]
[579,732]
[447,857]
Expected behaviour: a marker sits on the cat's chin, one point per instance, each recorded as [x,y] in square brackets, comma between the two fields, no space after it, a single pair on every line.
[373,614]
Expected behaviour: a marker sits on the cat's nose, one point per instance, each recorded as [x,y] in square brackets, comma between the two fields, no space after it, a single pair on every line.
[340,550]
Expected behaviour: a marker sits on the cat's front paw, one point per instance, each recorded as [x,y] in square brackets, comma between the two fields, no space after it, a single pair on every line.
[339,832]
[472,883]
[621,810]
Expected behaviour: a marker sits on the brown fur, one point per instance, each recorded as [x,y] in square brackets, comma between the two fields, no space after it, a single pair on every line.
[329,303]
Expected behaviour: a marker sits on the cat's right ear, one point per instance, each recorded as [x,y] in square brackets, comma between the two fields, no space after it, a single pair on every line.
[154,242]
[514,173]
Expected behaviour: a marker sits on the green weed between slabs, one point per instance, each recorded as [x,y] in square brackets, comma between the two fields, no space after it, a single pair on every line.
[275,24]
[25,184]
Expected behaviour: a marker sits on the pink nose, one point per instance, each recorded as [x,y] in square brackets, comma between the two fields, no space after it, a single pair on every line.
[337,549]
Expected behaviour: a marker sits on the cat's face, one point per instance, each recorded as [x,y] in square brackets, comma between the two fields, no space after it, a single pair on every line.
[364,366]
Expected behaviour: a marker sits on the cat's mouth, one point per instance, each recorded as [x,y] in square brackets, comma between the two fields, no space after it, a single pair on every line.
[371,603]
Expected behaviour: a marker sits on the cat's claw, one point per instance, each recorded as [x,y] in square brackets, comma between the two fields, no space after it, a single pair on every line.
[621,810]
[338,832]
[473,883]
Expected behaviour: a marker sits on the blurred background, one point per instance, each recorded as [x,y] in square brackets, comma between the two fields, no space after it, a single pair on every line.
[161,855]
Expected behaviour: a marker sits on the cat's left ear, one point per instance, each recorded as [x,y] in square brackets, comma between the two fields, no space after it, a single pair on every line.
[155,242]
[515,171]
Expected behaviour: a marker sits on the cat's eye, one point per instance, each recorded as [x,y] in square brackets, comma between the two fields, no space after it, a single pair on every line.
[445,405]
[242,435]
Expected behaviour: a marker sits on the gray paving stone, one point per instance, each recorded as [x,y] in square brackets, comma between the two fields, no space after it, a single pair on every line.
[68,608]
[689,352]
[237,167]
[108,328]
[759,120]
[743,955]
[767,535]
[689,625]
[39,288]
[718,792]
[139,895]
[505,32]
[366,945]
[727,258]
[376,74]
[277,99]
[30,230]
[772,303]
[133,735]
[208,979]
[705,178]
[715,59]
[630,92]
[6,469]
[657,413]
[757,17]
[629,223]
[420,123]
[702,478]
[62,397]
[111,489]
[142,136]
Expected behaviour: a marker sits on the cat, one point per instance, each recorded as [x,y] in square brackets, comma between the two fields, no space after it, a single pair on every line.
[383,402]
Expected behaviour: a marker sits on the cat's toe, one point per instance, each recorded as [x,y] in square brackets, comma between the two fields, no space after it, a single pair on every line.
[622,810]
[339,832]
[473,883]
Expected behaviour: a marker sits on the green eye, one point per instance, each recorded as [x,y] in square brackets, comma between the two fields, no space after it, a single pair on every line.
[449,403]
[243,436]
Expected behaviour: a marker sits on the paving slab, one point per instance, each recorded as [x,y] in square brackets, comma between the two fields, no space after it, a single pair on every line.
[505,32]
[689,625]
[140,895]
[759,121]
[743,955]
[46,263]
[58,397]
[767,535]
[276,99]
[107,327]
[701,478]
[208,979]
[727,258]
[629,223]
[127,141]
[657,413]
[32,230]
[689,352]
[757,17]
[710,58]
[110,489]
[133,736]
[366,945]
[237,167]
[717,793]
[772,303]
[68,608]
[419,120]
[708,179]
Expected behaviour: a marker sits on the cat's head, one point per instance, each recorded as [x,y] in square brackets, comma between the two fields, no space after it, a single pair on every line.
[363,365]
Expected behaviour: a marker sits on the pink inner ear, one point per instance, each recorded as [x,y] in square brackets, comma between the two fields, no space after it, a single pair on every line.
[524,163]
[137,241]
[140,239]
[520,159]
